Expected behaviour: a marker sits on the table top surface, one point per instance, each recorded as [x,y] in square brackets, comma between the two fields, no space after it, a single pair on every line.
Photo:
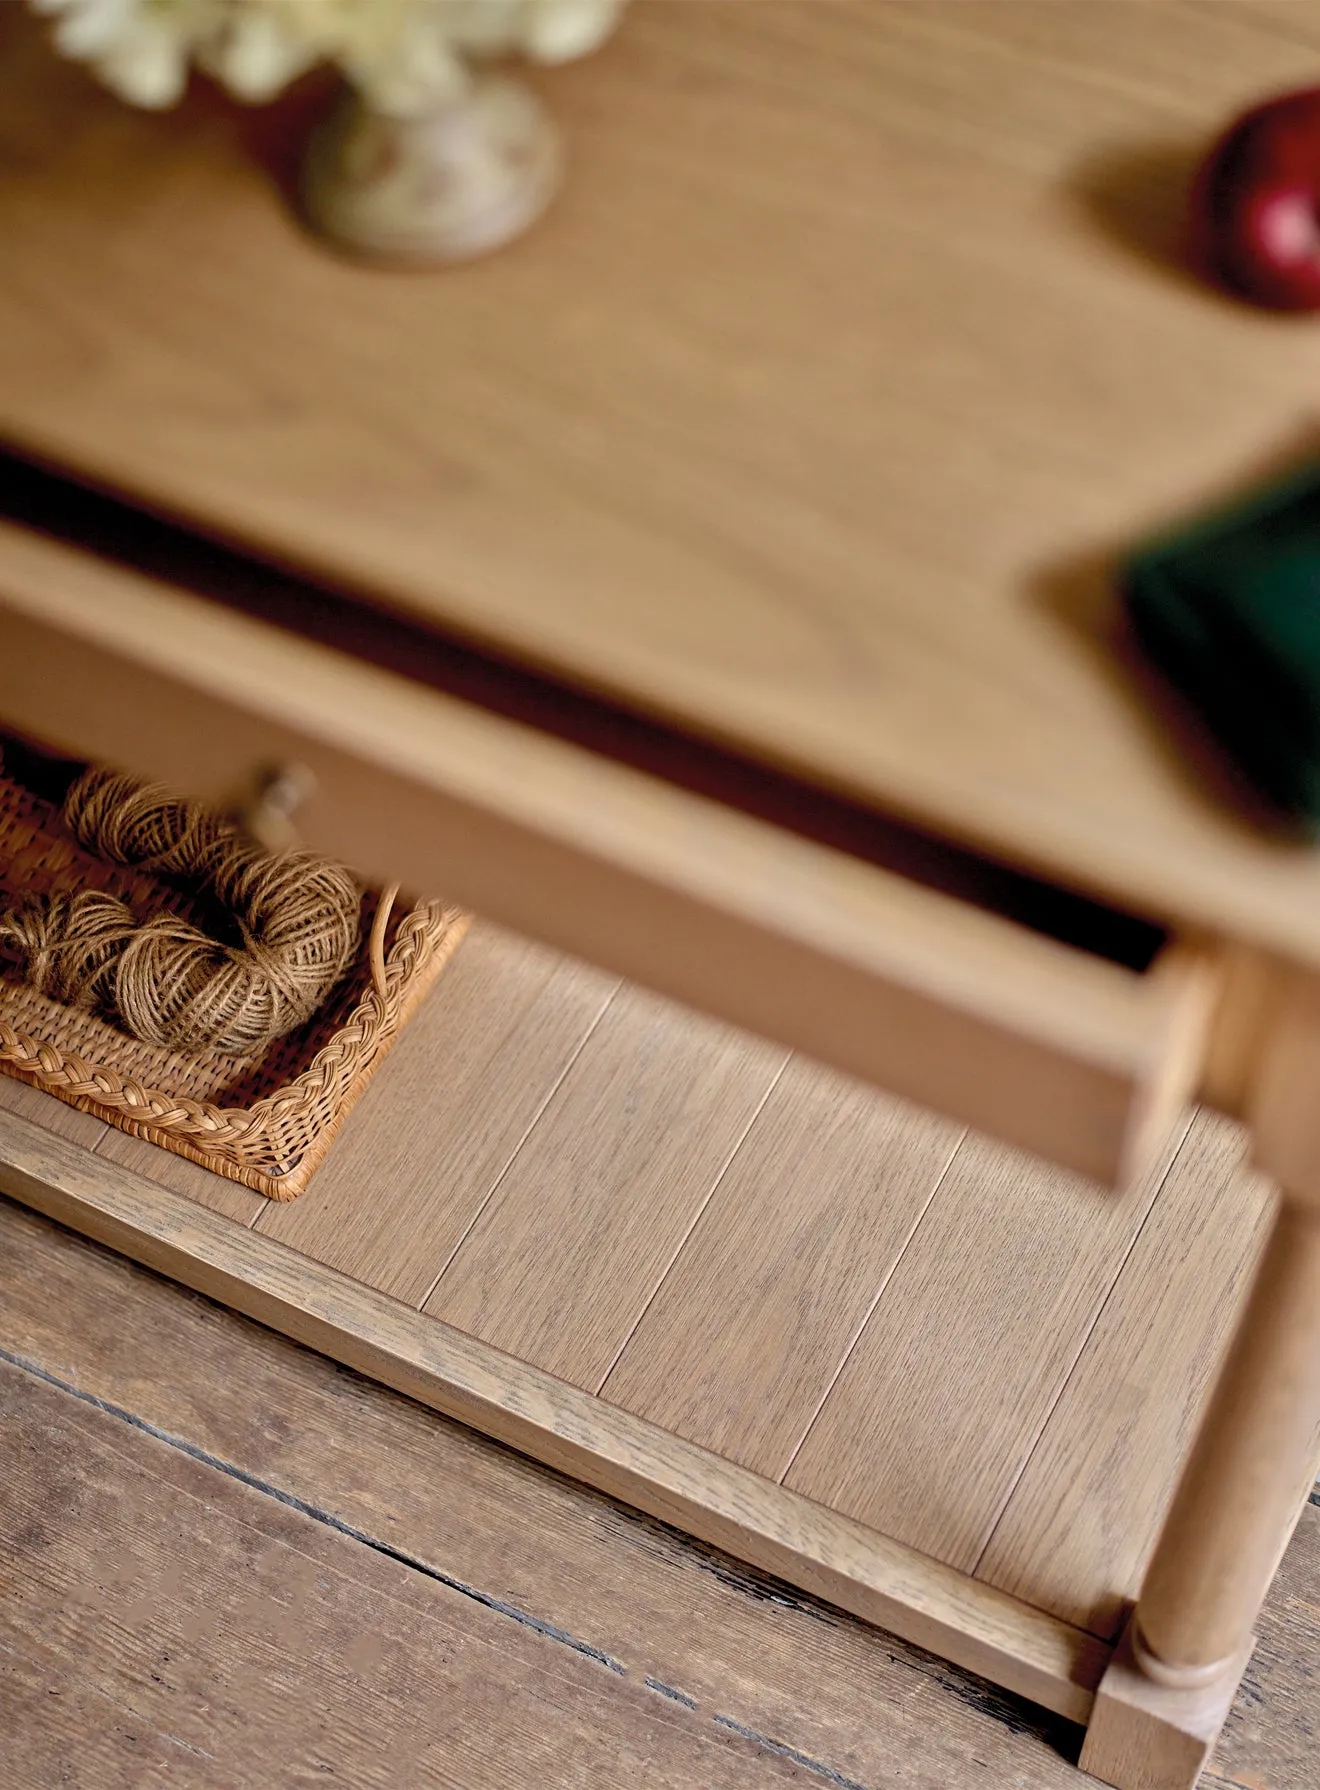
[810,419]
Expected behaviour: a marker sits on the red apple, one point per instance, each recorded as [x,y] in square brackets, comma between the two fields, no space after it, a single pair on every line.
[1256,204]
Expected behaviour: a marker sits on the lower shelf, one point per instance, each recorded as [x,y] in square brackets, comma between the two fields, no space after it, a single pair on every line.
[939,1384]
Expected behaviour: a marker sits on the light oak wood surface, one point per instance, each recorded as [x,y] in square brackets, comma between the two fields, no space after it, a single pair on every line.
[838,1206]
[1148,1736]
[1084,1516]
[216,1192]
[606,1582]
[837,1203]
[481,1064]
[53,1115]
[573,1243]
[833,1557]
[807,419]
[783,1268]
[847,503]
[925,1431]
[1049,1046]
[1254,1459]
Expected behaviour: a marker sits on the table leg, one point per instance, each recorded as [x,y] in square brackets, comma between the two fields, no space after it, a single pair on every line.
[1165,1696]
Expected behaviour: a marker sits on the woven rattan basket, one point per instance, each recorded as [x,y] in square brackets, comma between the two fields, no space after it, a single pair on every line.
[266,1121]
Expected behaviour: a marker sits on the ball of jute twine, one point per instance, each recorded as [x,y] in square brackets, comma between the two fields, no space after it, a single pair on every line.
[165,980]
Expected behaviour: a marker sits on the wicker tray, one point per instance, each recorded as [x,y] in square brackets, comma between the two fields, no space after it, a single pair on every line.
[265,1121]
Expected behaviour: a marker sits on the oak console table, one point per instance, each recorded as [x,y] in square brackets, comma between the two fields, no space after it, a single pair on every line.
[713,587]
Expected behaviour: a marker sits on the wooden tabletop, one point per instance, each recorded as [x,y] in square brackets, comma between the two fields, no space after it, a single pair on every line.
[809,420]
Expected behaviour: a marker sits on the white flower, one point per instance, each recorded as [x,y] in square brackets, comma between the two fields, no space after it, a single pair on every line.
[86,27]
[545,30]
[560,30]
[147,64]
[404,56]
[254,55]
[139,48]
[405,65]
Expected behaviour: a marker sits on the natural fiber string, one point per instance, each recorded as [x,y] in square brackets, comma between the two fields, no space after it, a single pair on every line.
[165,980]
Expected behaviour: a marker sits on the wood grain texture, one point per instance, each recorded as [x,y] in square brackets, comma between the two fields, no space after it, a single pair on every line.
[1144,1736]
[828,1555]
[844,1698]
[1281,1108]
[938,1407]
[165,1622]
[1252,1462]
[1088,1507]
[752,1323]
[571,1247]
[55,1115]
[671,1613]
[203,1185]
[1270,1732]
[447,1114]
[414,1162]
[930,996]
[834,499]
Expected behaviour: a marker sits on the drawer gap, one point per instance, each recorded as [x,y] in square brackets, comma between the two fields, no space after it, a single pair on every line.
[109,527]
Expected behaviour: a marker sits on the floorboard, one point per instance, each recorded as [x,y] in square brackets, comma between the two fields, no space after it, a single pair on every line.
[167,1622]
[717,1646]
[673,1614]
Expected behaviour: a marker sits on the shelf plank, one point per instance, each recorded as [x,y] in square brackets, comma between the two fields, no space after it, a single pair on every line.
[863,1572]
[1086,1512]
[571,1247]
[780,1205]
[938,1407]
[55,1115]
[753,1321]
[448,1112]
[217,1192]
[668,1612]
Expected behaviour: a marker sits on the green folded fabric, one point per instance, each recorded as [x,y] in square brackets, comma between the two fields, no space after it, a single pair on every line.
[1229,611]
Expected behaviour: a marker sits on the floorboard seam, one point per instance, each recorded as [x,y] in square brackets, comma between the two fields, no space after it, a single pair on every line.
[565,1071]
[317,1515]
[781,1478]
[1111,1292]
[767,1744]
[693,1222]
[785,1751]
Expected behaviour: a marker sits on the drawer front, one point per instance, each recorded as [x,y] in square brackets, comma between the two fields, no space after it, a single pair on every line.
[926,995]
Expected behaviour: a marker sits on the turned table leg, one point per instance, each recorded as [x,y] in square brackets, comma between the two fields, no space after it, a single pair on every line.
[1166,1694]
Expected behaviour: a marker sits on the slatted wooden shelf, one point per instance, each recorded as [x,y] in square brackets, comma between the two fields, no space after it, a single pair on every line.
[938,1381]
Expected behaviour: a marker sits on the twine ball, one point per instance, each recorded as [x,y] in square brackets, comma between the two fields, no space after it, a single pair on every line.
[165,980]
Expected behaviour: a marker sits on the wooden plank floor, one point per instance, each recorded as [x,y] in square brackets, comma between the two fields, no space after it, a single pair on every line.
[966,1351]
[228,1562]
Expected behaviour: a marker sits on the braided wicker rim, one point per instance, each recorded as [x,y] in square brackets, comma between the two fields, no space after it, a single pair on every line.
[315,1102]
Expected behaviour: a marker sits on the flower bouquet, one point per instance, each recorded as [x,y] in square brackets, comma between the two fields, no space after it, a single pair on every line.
[428,157]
